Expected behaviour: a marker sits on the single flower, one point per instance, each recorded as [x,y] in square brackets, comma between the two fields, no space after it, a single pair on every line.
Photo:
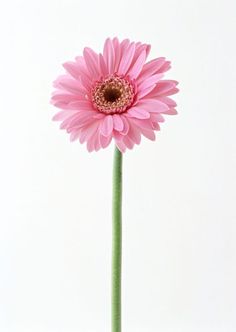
[114,95]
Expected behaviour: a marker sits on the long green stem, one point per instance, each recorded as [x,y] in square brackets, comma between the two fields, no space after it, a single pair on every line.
[116,241]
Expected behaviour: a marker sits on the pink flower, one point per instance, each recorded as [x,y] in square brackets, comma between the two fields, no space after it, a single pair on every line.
[114,95]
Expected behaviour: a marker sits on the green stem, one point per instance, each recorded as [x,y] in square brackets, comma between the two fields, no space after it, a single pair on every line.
[116,241]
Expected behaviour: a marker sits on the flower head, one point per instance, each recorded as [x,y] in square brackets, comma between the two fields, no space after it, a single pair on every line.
[114,95]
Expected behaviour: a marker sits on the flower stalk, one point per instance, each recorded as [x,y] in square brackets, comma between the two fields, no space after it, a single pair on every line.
[116,242]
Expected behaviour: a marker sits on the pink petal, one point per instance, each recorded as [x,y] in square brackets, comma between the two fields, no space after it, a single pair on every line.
[106,126]
[79,120]
[156,126]
[139,48]
[149,134]
[126,125]
[82,105]
[87,82]
[117,49]
[69,84]
[166,66]
[105,141]
[157,117]
[171,111]
[61,104]
[74,135]
[128,142]
[99,115]
[152,105]
[121,146]
[64,97]
[91,59]
[97,144]
[163,86]
[103,66]
[118,124]
[124,46]
[126,59]
[109,55]
[148,49]
[142,123]
[90,145]
[63,115]
[117,135]
[135,70]
[72,69]
[154,94]
[169,92]
[82,67]
[93,142]
[66,123]
[88,131]
[138,113]
[144,92]
[134,134]
[150,81]
[63,100]
[170,102]
[150,68]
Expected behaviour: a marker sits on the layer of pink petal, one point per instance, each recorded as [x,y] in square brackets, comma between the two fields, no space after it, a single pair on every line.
[83,122]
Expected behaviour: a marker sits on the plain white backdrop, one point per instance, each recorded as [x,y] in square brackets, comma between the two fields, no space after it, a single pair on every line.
[179,265]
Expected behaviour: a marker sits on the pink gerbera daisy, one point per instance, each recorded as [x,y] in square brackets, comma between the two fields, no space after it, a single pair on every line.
[114,95]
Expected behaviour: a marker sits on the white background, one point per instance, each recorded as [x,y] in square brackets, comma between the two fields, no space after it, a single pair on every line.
[179,267]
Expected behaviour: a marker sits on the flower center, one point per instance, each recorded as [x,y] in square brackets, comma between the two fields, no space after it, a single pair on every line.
[112,95]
